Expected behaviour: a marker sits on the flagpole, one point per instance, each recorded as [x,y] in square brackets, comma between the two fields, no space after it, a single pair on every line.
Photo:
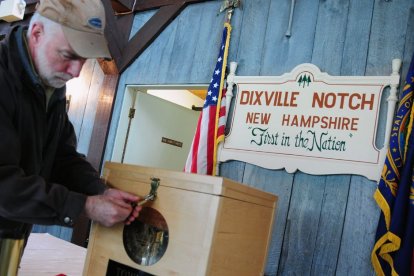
[230,84]
[391,100]
[210,131]
[229,96]
[229,5]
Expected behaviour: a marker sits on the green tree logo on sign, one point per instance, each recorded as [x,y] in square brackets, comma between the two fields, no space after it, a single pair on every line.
[304,80]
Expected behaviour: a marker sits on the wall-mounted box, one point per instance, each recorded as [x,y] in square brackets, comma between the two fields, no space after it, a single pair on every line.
[197,225]
[12,10]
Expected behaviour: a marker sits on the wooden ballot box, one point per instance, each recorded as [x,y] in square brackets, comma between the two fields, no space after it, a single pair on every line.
[196,225]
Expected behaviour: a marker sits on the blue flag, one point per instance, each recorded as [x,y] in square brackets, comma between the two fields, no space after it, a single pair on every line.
[393,249]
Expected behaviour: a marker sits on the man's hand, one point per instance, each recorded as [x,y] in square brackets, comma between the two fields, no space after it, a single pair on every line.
[111,207]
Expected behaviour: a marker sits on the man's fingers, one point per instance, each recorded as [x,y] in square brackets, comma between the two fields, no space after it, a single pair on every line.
[129,197]
[121,195]
[133,215]
[123,204]
[135,211]
[112,207]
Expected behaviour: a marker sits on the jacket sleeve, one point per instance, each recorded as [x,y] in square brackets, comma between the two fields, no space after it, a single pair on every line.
[72,169]
[75,173]
[27,198]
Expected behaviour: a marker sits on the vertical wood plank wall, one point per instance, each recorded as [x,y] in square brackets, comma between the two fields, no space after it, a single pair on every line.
[325,225]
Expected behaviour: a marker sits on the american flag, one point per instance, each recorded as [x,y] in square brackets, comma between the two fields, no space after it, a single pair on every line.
[202,158]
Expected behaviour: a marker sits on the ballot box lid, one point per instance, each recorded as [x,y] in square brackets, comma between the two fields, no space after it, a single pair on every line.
[216,186]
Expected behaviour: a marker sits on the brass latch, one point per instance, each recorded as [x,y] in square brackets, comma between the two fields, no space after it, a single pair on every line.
[155,183]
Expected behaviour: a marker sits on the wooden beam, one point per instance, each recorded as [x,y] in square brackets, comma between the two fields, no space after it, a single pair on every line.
[124,23]
[168,10]
[119,7]
[147,34]
[112,32]
[144,5]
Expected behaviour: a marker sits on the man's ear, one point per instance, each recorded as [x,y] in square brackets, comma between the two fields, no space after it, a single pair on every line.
[36,33]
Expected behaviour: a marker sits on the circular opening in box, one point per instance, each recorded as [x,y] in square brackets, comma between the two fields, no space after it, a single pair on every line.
[146,239]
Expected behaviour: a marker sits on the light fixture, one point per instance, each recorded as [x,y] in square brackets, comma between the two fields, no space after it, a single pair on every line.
[12,10]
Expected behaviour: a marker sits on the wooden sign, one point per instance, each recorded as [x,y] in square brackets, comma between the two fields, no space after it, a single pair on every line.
[311,121]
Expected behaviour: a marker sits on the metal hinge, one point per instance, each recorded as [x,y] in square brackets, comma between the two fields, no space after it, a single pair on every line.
[131,113]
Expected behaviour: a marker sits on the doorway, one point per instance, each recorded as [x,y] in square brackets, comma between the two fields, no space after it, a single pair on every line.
[157,125]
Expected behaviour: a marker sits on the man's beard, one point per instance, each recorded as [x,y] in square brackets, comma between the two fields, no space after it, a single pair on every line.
[50,78]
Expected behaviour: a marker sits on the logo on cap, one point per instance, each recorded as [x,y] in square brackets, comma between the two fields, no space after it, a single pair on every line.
[95,22]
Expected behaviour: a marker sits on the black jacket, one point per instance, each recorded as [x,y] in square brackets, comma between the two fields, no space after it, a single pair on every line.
[43,180]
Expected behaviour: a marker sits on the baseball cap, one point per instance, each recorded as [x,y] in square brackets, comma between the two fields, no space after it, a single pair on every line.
[83,24]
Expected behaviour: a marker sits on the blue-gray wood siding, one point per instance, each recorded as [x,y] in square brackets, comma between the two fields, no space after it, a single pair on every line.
[325,225]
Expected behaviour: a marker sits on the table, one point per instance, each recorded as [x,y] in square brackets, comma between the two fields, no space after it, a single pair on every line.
[47,255]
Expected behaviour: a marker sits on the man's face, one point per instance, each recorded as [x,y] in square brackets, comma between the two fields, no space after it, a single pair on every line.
[55,60]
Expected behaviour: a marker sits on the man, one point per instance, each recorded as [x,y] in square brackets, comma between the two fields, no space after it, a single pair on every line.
[43,180]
